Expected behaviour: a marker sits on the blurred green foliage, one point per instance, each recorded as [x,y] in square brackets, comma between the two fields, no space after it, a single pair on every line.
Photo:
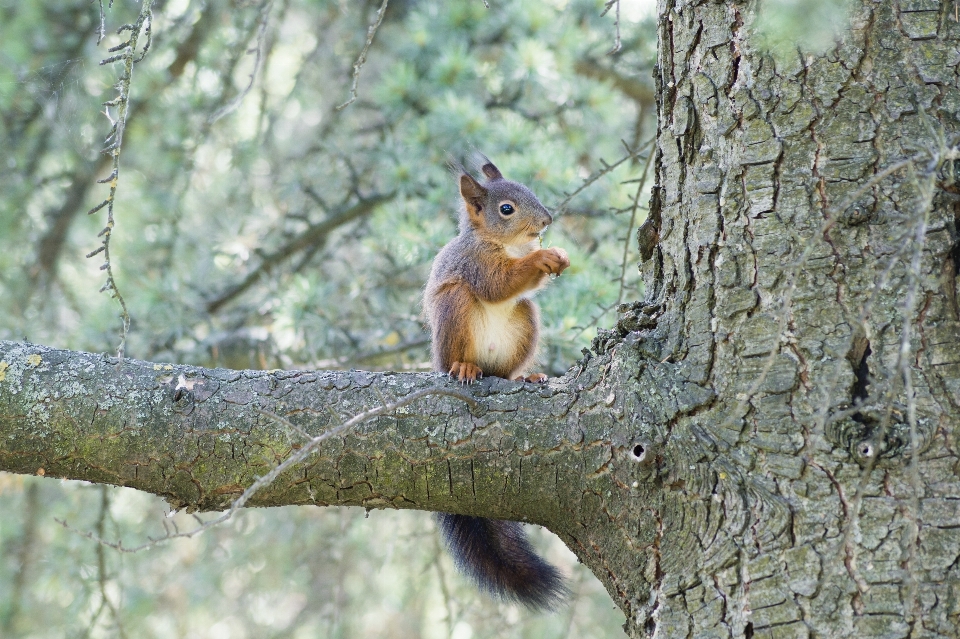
[244,239]
[784,27]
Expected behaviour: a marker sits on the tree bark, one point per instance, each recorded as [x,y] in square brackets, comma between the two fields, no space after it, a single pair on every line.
[199,437]
[764,446]
[803,244]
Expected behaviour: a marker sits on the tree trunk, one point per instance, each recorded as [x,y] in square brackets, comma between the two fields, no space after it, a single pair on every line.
[763,447]
[806,270]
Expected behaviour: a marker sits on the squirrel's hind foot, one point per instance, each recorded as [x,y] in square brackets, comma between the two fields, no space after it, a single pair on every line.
[465,373]
[536,378]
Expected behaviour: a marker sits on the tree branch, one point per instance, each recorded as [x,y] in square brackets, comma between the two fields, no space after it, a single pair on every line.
[315,236]
[202,438]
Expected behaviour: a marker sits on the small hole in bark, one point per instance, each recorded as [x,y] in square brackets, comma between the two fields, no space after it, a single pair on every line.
[639,452]
[748,630]
[866,450]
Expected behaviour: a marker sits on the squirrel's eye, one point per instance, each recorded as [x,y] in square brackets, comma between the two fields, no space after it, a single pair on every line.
[506,209]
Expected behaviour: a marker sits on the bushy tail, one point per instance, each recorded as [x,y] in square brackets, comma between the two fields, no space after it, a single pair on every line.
[498,557]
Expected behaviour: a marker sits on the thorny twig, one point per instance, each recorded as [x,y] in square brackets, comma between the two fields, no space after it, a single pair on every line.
[301,454]
[231,106]
[112,145]
[362,58]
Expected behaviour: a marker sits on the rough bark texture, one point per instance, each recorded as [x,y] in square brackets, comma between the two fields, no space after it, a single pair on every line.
[555,454]
[785,512]
[764,447]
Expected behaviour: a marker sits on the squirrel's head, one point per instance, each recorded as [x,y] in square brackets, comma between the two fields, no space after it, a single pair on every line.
[501,210]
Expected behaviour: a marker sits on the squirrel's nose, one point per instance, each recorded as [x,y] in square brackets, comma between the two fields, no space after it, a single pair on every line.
[547,220]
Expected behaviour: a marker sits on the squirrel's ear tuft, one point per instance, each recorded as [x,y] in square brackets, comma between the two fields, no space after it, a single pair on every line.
[491,171]
[473,193]
[488,168]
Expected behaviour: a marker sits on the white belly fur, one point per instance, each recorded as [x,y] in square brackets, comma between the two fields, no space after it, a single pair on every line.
[496,337]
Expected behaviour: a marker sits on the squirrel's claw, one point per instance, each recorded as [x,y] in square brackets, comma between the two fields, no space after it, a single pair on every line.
[465,372]
[536,378]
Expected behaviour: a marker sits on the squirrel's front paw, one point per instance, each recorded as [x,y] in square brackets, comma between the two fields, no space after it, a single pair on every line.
[465,373]
[552,260]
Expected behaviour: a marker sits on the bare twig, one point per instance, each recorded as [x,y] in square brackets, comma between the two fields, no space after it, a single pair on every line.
[301,454]
[904,359]
[606,9]
[315,236]
[607,168]
[231,106]
[112,146]
[359,358]
[102,578]
[102,29]
[26,557]
[633,208]
[633,219]
[362,58]
[885,396]
[450,617]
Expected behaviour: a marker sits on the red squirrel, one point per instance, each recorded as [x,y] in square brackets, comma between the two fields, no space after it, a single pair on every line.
[481,318]
[483,323]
